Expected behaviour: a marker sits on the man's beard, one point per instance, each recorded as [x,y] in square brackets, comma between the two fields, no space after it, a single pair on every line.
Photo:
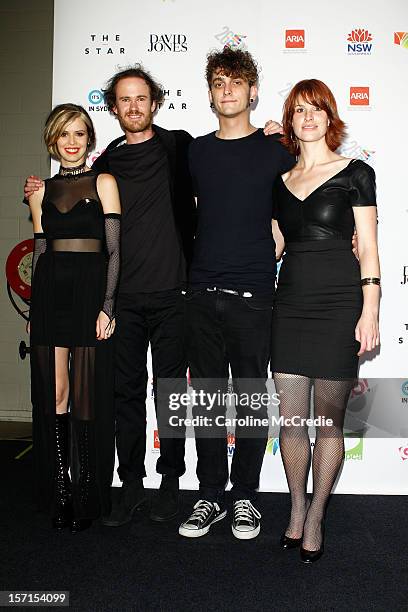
[135,127]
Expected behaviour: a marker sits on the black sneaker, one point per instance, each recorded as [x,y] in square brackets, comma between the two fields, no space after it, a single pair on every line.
[132,496]
[165,504]
[204,515]
[246,521]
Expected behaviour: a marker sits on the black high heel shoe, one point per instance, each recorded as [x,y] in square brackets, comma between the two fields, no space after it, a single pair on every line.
[78,525]
[310,556]
[288,543]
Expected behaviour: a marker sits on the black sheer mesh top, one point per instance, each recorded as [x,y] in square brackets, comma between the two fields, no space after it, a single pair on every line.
[327,212]
[73,220]
[71,208]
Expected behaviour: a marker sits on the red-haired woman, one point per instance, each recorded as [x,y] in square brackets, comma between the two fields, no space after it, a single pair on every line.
[326,310]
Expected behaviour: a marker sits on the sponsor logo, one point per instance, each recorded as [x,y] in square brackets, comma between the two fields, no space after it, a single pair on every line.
[353,446]
[230,444]
[404,389]
[93,156]
[359,42]
[156,439]
[401,39]
[272,446]
[294,39]
[403,451]
[359,96]
[401,338]
[229,38]
[167,43]
[104,44]
[173,99]
[360,388]
[95,96]
[351,148]
[95,99]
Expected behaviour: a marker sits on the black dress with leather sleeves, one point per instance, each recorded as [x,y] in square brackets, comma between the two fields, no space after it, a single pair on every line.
[319,297]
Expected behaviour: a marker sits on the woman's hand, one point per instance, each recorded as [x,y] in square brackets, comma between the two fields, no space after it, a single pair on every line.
[104,326]
[367,332]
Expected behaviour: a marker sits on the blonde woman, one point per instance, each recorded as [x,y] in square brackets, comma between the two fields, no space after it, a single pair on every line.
[76,219]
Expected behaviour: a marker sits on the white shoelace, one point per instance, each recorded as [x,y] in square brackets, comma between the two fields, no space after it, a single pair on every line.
[201,510]
[245,511]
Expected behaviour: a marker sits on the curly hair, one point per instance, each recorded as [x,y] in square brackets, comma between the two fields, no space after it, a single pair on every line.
[58,119]
[109,94]
[234,63]
[317,93]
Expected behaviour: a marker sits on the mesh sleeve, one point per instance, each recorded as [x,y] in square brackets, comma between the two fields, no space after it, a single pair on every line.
[112,238]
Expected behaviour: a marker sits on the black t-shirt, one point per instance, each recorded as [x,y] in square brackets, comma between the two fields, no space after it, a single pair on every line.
[151,255]
[233,179]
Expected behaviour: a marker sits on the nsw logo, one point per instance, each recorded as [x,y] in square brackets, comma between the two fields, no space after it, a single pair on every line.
[295,39]
[359,42]
[359,96]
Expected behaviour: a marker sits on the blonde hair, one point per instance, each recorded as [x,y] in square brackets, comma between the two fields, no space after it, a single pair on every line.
[57,120]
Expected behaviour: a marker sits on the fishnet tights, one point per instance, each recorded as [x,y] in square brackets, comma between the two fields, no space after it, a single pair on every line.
[330,401]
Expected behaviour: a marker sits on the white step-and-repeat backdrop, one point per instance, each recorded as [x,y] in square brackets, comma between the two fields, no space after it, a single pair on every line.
[361,51]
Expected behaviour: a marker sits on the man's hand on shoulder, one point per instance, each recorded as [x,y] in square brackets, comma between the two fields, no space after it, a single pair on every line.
[32,184]
[272,127]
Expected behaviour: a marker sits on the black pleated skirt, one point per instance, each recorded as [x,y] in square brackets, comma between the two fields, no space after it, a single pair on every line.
[318,303]
[68,292]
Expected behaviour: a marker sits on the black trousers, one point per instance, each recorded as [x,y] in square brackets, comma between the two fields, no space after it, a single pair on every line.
[225,330]
[141,318]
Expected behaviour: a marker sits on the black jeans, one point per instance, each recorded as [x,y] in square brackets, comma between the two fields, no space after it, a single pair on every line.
[225,330]
[141,318]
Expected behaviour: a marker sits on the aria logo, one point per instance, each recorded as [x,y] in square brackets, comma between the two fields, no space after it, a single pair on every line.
[359,42]
[359,96]
[295,39]
[165,43]
[156,440]
[401,39]
[104,44]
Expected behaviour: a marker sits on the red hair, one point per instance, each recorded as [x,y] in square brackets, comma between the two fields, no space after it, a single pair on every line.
[317,93]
